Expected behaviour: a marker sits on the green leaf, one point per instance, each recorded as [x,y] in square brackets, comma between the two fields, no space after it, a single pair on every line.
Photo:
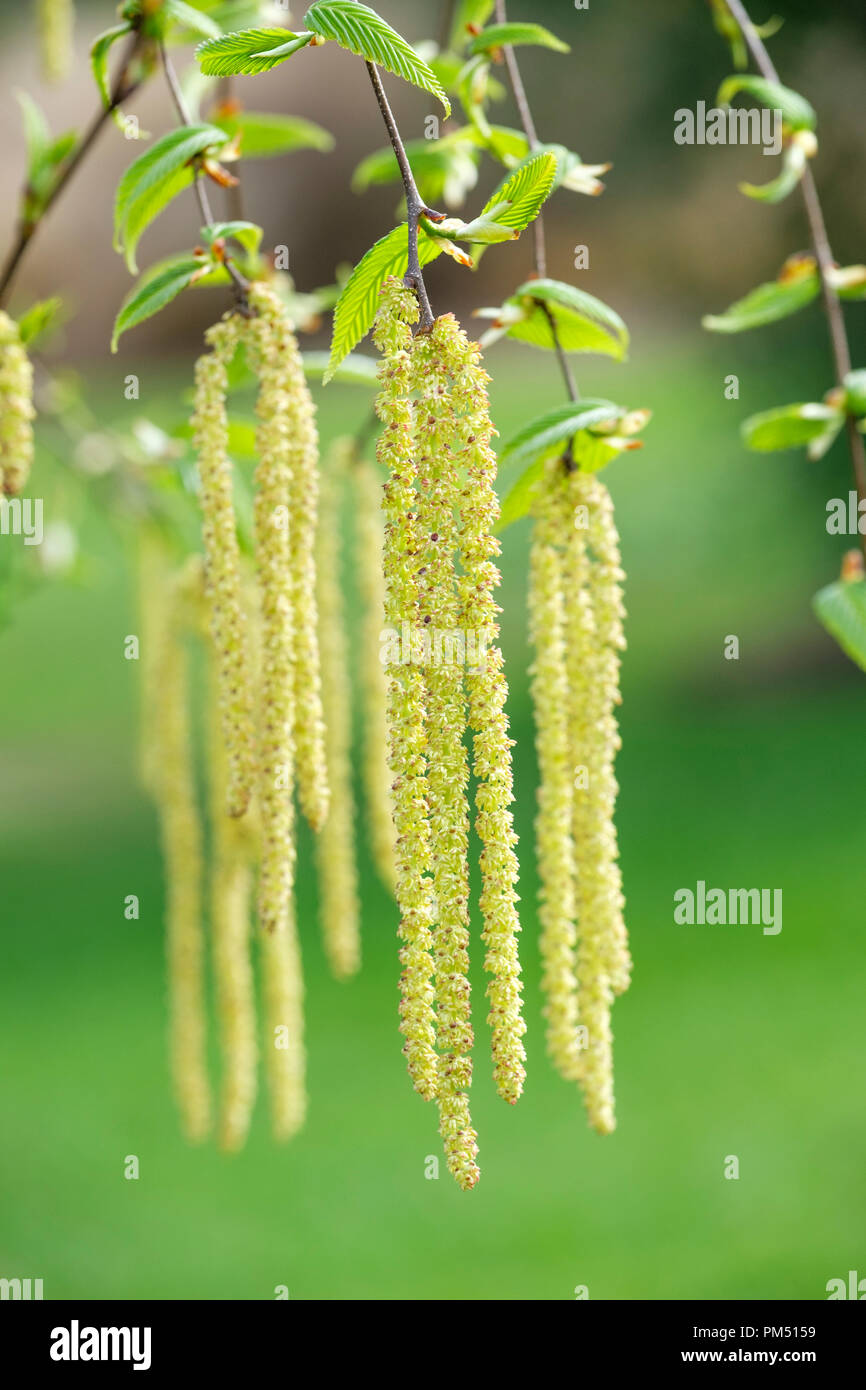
[855,391]
[793,163]
[789,426]
[474,13]
[539,437]
[354,370]
[156,177]
[154,291]
[263,134]
[498,35]
[38,319]
[768,303]
[99,51]
[841,607]
[524,191]
[248,234]
[191,18]
[849,281]
[444,169]
[520,497]
[359,300]
[248,51]
[583,323]
[363,32]
[796,110]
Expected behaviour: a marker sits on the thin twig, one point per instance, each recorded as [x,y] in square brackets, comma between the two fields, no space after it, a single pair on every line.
[823,255]
[414,203]
[121,90]
[240,282]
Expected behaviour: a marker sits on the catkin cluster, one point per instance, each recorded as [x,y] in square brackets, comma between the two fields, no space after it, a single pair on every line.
[16,409]
[576,626]
[445,676]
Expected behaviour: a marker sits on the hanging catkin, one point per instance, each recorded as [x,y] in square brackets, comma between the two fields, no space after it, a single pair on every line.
[16,409]
[231,883]
[553,823]
[153,613]
[406,687]
[55,20]
[182,855]
[371,587]
[285,1057]
[335,843]
[447,762]
[487,691]
[222,559]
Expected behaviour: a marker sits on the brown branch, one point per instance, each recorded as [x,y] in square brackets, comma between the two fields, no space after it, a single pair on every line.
[823,255]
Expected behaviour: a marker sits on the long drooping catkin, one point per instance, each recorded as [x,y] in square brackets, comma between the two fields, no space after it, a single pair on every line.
[406,687]
[55,20]
[447,762]
[487,691]
[553,824]
[222,559]
[335,843]
[16,409]
[267,340]
[231,883]
[181,836]
[374,697]
[285,1056]
[152,577]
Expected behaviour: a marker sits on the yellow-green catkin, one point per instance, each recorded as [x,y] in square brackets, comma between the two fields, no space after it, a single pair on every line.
[553,823]
[16,409]
[55,21]
[181,836]
[335,843]
[406,686]
[285,1056]
[222,559]
[443,656]
[231,885]
[153,574]
[379,810]
[487,690]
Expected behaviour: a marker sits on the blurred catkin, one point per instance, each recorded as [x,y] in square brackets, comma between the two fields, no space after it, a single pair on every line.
[222,559]
[55,23]
[16,409]
[285,1056]
[553,822]
[406,687]
[181,836]
[374,688]
[335,843]
[447,760]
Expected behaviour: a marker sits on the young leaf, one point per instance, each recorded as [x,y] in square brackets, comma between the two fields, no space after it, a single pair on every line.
[524,192]
[796,110]
[156,177]
[793,164]
[841,607]
[583,323]
[359,300]
[154,291]
[498,35]
[796,287]
[363,32]
[540,436]
[99,51]
[855,391]
[848,281]
[188,17]
[248,51]
[519,499]
[469,17]
[247,234]
[789,426]
[263,134]
[38,319]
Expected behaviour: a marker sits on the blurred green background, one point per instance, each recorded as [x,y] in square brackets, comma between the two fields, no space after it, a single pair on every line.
[746,773]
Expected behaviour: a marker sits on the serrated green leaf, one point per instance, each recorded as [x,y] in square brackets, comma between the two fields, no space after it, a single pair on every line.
[796,110]
[841,608]
[768,303]
[153,292]
[264,134]
[555,428]
[583,323]
[38,319]
[99,51]
[356,308]
[248,52]
[525,191]
[354,370]
[498,35]
[789,426]
[156,177]
[363,32]
[190,18]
